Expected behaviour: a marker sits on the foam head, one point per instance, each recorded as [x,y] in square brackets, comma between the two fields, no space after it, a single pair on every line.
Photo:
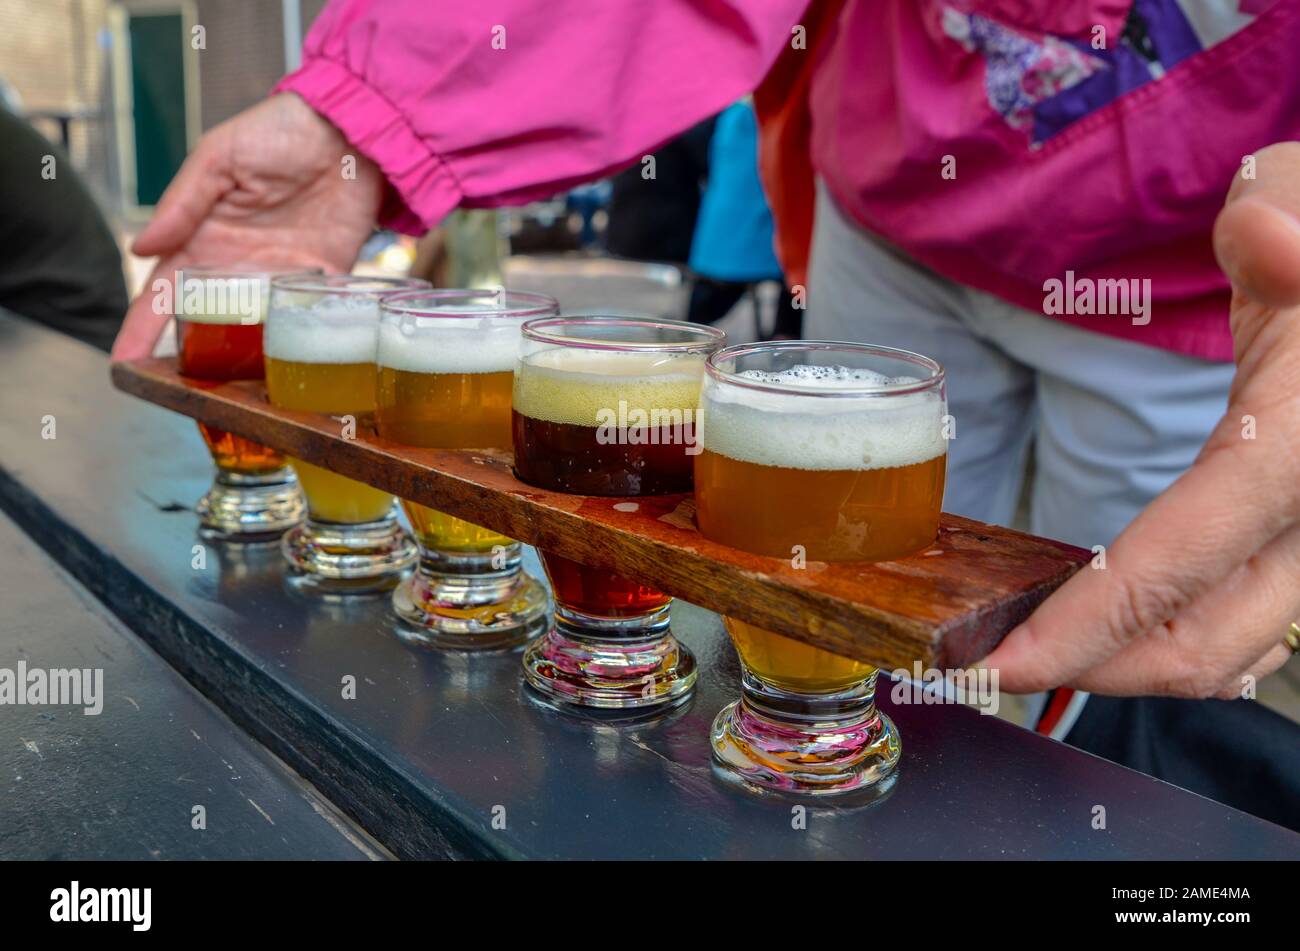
[462,342]
[804,424]
[229,299]
[574,386]
[331,329]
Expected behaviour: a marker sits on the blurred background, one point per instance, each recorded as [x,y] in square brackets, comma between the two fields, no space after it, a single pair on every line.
[127,87]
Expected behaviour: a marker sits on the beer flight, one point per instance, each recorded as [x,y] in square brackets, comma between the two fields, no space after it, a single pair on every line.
[809,450]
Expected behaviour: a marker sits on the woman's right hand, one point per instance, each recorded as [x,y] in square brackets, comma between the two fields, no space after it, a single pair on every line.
[277,185]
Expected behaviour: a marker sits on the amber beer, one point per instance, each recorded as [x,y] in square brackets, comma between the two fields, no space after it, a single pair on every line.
[843,515]
[816,452]
[320,345]
[219,351]
[446,363]
[219,315]
[860,514]
[608,407]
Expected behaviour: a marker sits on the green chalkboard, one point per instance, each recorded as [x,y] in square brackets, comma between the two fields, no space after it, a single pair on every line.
[158,91]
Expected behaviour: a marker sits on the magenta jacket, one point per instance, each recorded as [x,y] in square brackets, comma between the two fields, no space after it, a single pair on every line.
[1003,143]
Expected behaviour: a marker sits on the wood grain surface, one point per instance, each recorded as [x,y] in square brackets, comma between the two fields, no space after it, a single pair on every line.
[946,606]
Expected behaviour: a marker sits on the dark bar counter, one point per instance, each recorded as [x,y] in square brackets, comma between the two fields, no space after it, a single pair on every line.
[123,781]
[444,755]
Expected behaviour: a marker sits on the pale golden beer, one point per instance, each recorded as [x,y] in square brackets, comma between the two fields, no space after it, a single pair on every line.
[446,364]
[320,343]
[338,389]
[815,452]
[446,411]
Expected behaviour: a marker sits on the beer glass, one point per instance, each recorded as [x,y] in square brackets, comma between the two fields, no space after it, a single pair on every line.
[606,406]
[219,313]
[815,451]
[446,365]
[321,339]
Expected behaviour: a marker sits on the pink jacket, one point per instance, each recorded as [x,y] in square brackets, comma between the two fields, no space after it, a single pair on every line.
[993,140]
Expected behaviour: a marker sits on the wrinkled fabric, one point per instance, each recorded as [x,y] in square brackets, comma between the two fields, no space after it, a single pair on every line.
[1109,162]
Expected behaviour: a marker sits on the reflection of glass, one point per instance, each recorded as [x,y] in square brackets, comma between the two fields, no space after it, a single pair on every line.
[446,365]
[835,452]
[321,336]
[606,406]
[219,313]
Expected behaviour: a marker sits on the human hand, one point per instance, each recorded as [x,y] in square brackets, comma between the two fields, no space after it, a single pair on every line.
[273,185]
[1200,588]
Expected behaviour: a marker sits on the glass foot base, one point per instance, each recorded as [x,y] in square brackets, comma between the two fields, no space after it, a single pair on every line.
[251,508]
[571,669]
[472,613]
[851,757]
[345,559]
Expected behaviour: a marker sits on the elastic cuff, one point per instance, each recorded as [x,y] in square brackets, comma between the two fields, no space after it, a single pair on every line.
[427,189]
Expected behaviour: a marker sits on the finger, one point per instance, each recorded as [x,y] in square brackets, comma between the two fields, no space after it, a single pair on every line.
[1237,688]
[1257,234]
[200,183]
[142,326]
[1217,638]
[1177,548]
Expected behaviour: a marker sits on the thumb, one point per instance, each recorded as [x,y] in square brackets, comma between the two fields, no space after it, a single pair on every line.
[203,178]
[1257,234]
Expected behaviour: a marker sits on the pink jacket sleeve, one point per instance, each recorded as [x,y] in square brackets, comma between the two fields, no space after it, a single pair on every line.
[480,104]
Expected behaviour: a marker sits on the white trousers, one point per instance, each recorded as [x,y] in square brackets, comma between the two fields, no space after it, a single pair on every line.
[1113,422]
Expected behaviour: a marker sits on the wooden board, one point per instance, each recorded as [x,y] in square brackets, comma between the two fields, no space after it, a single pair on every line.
[945,607]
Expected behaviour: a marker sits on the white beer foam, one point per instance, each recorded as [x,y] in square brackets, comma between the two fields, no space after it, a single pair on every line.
[816,431]
[810,376]
[449,344]
[234,299]
[332,330]
[575,386]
